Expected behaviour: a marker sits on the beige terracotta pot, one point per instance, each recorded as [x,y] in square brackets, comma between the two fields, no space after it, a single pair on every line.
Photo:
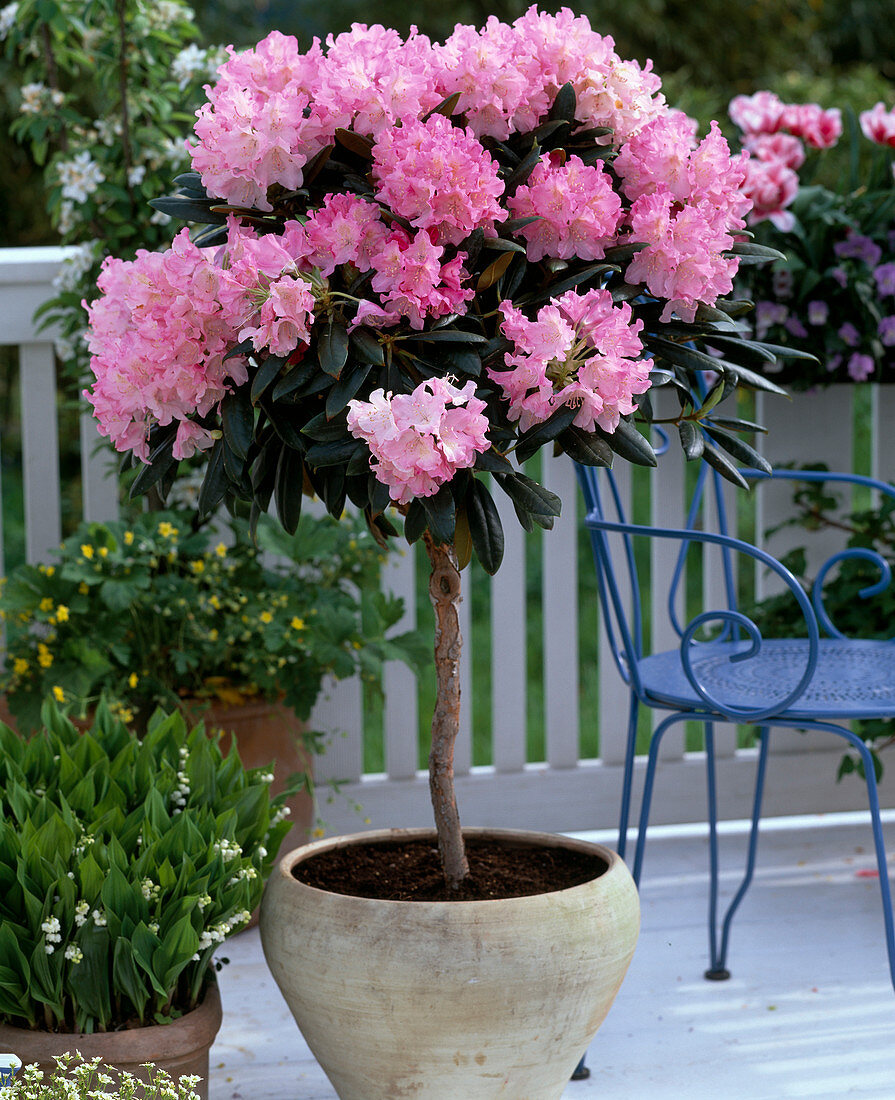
[468,1000]
[180,1047]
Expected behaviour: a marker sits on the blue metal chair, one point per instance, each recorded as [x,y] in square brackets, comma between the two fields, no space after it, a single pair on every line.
[810,683]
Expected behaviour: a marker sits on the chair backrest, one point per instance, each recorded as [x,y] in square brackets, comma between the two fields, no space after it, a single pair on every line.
[618,580]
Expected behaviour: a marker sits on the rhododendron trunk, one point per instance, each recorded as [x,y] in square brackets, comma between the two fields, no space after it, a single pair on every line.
[444,591]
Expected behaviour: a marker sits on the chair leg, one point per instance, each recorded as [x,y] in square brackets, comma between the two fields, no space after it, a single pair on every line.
[649,778]
[717,970]
[880,846]
[628,778]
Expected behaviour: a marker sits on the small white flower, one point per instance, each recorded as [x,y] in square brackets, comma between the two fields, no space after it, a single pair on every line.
[49,948]
[98,919]
[228,849]
[7,20]
[73,953]
[81,911]
[135,175]
[79,177]
[51,929]
[204,901]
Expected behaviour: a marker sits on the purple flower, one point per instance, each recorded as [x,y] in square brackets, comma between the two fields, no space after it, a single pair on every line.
[858,247]
[782,282]
[885,279]
[795,328]
[840,275]
[834,362]
[887,331]
[848,334]
[818,312]
[768,314]
[860,367]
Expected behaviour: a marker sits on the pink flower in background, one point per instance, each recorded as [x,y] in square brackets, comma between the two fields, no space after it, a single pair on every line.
[582,350]
[439,177]
[771,187]
[782,148]
[878,125]
[761,113]
[419,440]
[578,211]
[820,128]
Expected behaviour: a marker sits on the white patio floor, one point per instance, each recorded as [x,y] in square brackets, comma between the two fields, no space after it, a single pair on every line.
[808,1012]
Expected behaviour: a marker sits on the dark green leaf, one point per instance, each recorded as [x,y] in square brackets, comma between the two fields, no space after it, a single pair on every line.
[214,484]
[446,107]
[161,461]
[238,421]
[449,336]
[322,429]
[267,374]
[332,348]
[358,144]
[485,529]
[440,513]
[741,451]
[523,170]
[585,447]
[749,253]
[415,521]
[288,483]
[188,210]
[367,347]
[535,438]
[295,379]
[692,440]
[563,107]
[494,461]
[334,453]
[530,495]
[629,444]
[724,466]
[345,389]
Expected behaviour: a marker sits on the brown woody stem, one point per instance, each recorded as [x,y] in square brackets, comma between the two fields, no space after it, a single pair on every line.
[444,591]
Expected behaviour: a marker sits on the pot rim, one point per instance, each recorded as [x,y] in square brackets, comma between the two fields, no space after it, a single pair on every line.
[518,837]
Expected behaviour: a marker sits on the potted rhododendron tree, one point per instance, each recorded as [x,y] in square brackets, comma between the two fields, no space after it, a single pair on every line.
[420,263]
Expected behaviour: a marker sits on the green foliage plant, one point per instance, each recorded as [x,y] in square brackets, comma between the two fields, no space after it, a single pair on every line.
[162,610]
[83,1079]
[124,864]
[105,99]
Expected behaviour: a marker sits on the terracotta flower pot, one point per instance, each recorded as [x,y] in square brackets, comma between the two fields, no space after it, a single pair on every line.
[471,999]
[180,1047]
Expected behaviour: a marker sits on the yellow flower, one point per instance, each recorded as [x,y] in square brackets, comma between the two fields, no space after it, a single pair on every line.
[213,635]
[133,680]
[44,656]
[221,550]
[167,530]
[297,623]
[87,551]
[83,588]
[62,613]
[58,694]
[20,666]
[266,617]
[104,551]
[46,604]
[128,538]
[215,602]
[197,566]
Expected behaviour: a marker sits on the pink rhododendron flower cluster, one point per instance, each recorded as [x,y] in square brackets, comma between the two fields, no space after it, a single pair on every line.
[686,206]
[438,177]
[581,350]
[577,208]
[419,440]
[158,339]
[878,125]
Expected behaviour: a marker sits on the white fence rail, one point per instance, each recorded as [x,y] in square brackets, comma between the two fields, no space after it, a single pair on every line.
[575,781]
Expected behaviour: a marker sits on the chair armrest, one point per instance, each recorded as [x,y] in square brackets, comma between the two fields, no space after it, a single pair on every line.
[883,487]
[726,615]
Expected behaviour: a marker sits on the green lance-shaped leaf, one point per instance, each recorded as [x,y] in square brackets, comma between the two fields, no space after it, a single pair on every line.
[586,448]
[532,441]
[563,107]
[629,444]
[415,521]
[692,440]
[296,379]
[345,389]
[367,347]
[749,253]
[267,374]
[724,466]
[238,421]
[448,336]
[485,528]
[288,484]
[440,514]
[740,450]
[189,209]
[530,495]
[356,143]
[332,348]
[215,483]
[161,461]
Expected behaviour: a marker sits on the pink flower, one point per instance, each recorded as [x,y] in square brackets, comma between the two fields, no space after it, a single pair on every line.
[784,148]
[411,280]
[820,128]
[582,350]
[419,440]
[761,113]
[878,125]
[439,177]
[771,187]
[284,318]
[344,230]
[578,211]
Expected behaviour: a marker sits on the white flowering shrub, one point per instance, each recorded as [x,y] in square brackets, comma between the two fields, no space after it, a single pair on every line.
[124,864]
[107,95]
[81,1079]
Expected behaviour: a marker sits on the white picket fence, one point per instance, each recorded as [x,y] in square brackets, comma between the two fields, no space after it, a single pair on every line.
[563,791]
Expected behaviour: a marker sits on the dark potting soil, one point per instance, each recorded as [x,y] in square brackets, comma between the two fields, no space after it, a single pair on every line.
[409,870]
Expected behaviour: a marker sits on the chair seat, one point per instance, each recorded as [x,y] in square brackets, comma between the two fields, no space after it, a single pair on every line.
[853,678]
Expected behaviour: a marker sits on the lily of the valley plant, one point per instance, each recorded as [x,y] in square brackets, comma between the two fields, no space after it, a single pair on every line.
[423,262]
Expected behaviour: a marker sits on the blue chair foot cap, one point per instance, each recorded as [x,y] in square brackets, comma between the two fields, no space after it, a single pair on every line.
[581,1072]
[720,974]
